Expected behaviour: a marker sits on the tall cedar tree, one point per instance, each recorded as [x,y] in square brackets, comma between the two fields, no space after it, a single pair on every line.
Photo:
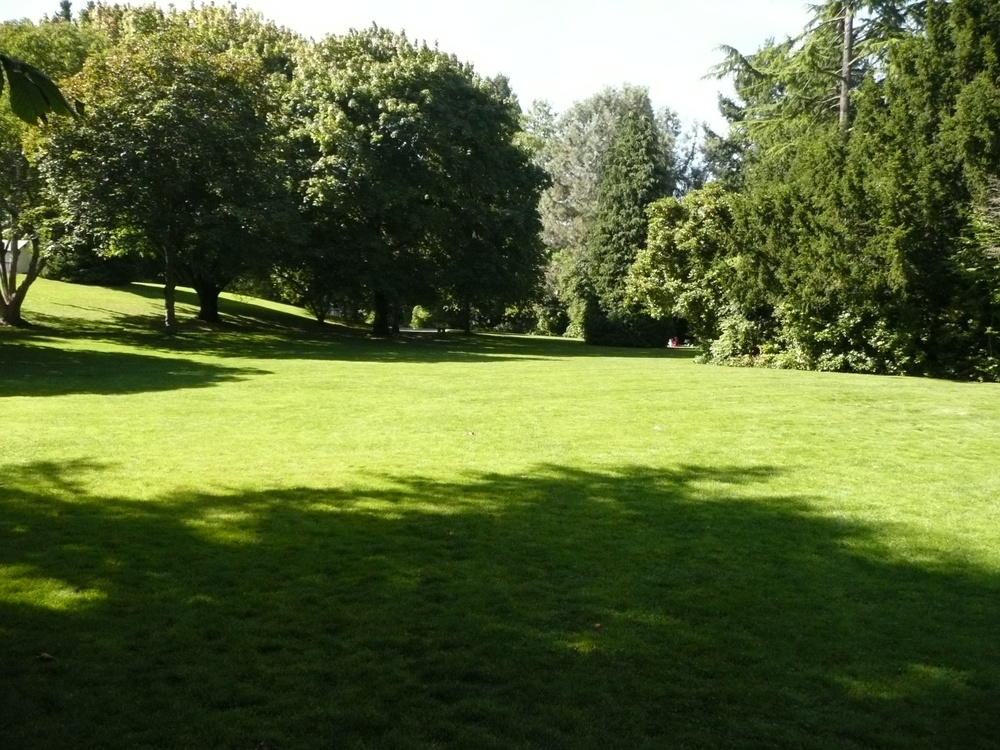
[631,179]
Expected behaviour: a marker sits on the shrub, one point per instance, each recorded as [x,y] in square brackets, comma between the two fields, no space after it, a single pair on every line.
[420,317]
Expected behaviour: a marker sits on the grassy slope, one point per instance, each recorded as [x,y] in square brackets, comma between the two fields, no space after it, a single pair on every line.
[314,539]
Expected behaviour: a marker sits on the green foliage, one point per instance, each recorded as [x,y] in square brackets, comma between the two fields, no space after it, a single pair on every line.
[416,186]
[986,221]
[572,149]
[630,180]
[54,49]
[75,261]
[687,269]
[178,155]
[550,316]
[629,326]
[811,77]
[420,317]
[852,244]
[629,183]
[57,47]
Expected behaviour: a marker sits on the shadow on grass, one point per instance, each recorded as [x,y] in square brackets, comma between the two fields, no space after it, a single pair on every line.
[565,608]
[33,370]
[234,312]
[340,343]
[251,331]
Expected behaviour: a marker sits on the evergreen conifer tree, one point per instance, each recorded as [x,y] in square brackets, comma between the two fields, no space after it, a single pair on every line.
[631,179]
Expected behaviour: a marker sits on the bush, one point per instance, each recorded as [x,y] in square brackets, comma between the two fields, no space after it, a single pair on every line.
[634,329]
[81,264]
[420,317]
[551,316]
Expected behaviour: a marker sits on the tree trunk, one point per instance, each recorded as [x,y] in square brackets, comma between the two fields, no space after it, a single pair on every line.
[8,273]
[169,285]
[10,311]
[466,315]
[847,59]
[381,325]
[208,303]
[13,293]
[5,291]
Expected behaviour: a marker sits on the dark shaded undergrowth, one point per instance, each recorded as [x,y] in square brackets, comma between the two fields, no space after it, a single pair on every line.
[562,608]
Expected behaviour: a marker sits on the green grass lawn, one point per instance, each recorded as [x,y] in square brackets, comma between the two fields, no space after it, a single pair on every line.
[270,532]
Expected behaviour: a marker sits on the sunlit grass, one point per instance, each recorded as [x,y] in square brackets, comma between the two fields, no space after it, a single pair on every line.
[273,531]
[23,584]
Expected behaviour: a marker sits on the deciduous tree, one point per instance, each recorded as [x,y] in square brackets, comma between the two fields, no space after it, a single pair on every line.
[61,49]
[176,155]
[417,186]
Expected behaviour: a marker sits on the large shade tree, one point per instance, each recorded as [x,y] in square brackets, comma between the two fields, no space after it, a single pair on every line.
[416,187]
[490,252]
[176,156]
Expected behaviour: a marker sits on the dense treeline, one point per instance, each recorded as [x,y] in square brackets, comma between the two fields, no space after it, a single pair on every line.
[848,219]
[850,225]
[364,172]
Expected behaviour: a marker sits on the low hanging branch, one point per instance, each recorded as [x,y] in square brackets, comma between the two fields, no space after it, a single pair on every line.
[33,96]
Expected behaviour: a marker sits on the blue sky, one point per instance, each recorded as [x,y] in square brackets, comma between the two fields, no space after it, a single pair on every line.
[556,50]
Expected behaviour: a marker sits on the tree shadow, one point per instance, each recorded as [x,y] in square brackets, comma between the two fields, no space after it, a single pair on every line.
[562,608]
[252,331]
[31,369]
[234,312]
[341,343]
[254,344]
